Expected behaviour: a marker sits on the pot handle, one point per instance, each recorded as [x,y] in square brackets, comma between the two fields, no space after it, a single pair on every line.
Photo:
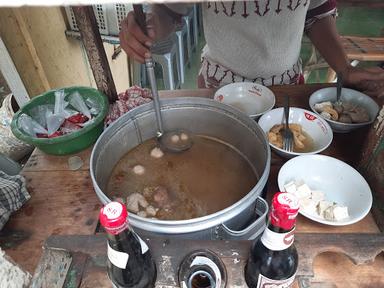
[252,231]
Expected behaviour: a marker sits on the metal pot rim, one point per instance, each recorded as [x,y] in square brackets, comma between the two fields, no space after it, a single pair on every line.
[189,225]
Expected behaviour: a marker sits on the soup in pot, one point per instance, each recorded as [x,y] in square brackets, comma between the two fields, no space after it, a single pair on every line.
[207,178]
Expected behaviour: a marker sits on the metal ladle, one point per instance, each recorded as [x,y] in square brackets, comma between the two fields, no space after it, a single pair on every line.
[173,141]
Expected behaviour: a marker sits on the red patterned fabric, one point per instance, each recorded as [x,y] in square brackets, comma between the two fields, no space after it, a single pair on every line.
[328,8]
[324,8]
[133,97]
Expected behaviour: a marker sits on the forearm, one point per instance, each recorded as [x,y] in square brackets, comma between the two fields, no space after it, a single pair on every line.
[324,36]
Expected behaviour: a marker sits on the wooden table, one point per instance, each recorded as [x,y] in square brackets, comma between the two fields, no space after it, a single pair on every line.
[64,203]
[357,49]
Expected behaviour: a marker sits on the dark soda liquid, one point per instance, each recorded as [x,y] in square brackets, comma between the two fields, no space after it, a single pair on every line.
[275,265]
[140,271]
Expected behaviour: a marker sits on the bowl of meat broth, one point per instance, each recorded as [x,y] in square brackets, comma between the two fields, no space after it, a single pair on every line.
[356,109]
[312,134]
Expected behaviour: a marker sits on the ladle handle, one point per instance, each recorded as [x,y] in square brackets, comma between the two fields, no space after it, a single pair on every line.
[141,21]
[156,100]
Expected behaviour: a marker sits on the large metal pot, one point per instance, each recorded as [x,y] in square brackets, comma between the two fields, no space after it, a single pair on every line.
[244,219]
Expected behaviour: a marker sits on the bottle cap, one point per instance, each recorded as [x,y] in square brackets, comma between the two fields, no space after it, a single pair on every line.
[285,207]
[113,217]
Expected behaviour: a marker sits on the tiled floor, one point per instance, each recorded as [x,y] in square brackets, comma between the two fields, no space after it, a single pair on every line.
[350,21]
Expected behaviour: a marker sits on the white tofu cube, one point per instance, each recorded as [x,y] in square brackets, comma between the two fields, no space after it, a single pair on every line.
[318,195]
[340,212]
[303,191]
[307,205]
[290,187]
[328,213]
[322,206]
[299,182]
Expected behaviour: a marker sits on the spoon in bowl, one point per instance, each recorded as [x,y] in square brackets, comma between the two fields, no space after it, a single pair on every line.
[175,141]
[339,87]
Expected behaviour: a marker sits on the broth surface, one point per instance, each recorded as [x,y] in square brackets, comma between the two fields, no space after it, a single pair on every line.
[309,145]
[207,178]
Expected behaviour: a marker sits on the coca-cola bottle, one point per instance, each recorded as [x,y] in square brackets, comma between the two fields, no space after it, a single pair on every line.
[273,258]
[130,263]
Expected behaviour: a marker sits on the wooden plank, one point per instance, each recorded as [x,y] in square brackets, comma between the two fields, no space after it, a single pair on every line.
[366,225]
[18,50]
[64,59]
[94,275]
[359,248]
[40,161]
[76,271]
[342,273]
[11,76]
[29,43]
[62,202]
[86,21]
[169,254]
[363,48]
[366,57]
[299,93]
[53,269]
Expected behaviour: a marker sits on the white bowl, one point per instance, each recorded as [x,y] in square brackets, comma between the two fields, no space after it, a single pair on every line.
[250,98]
[314,126]
[350,95]
[340,183]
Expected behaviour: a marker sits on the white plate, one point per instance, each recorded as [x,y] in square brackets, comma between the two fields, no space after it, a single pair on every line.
[250,98]
[316,127]
[340,183]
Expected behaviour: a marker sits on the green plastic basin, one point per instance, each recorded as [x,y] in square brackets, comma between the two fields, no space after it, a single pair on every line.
[70,143]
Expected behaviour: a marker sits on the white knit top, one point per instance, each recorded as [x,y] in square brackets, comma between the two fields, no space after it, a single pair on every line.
[257,41]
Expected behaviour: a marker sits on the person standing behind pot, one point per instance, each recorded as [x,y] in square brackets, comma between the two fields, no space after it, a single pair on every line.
[257,41]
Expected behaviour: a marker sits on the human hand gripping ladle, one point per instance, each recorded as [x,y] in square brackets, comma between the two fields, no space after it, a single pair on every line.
[177,140]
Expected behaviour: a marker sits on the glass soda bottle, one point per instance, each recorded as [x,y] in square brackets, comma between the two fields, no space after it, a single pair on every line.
[273,258]
[130,263]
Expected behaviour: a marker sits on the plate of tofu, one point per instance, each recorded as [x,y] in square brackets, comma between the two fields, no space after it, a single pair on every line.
[329,190]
